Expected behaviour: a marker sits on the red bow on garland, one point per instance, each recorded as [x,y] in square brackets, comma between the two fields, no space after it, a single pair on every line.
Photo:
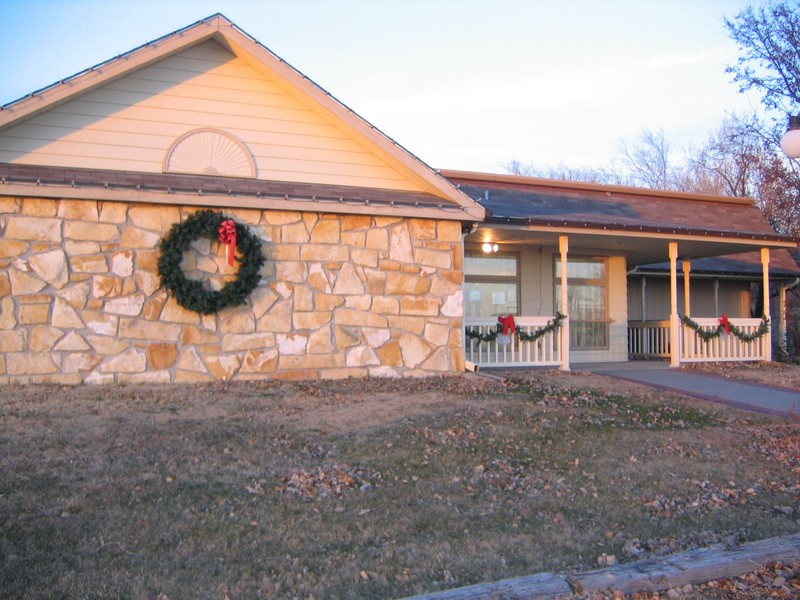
[509,327]
[726,325]
[227,236]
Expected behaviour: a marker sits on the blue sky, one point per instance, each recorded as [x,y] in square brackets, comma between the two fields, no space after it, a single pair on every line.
[463,84]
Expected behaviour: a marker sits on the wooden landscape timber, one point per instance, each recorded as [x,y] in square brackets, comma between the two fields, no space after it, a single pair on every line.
[655,574]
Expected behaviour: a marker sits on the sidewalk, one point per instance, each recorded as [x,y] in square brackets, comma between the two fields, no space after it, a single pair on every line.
[740,394]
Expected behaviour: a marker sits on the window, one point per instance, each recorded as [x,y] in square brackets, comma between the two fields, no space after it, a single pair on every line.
[491,284]
[587,293]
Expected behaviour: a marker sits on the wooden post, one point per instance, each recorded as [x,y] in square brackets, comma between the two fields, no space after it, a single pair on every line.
[563,248]
[674,322]
[687,297]
[765,273]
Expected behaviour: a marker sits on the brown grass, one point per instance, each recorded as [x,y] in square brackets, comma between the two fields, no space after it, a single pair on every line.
[370,489]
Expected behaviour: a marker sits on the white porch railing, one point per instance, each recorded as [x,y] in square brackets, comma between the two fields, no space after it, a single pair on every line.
[726,347]
[540,352]
[648,339]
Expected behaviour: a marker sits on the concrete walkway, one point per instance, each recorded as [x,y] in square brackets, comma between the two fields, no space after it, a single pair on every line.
[741,394]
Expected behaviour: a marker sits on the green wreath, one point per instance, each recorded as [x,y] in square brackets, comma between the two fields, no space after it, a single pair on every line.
[192,294]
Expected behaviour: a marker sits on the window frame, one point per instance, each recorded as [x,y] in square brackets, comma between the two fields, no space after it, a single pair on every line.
[513,279]
[589,282]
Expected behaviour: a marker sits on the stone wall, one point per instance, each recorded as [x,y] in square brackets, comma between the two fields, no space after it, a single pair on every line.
[340,296]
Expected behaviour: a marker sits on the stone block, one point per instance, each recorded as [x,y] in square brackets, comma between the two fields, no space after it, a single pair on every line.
[147,259]
[318,278]
[161,355]
[279,217]
[238,322]
[234,342]
[5,285]
[310,361]
[30,363]
[8,317]
[437,334]
[72,342]
[155,218]
[449,231]
[361,356]
[197,336]
[151,311]
[453,305]
[82,210]
[222,367]
[95,378]
[148,330]
[113,212]
[390,354]
[355,239]
[411,305]
[406,284]
[191,361]
[351,222]
[384,372]
[130,306]
[192,377]
[384,305]
[90,263]
[159,377]
[319,342]
[12,248]
[30,314]
[284,252]
[400,248]
[122,263]
[13,340]
[39,207]
[326,231]
[415,325]
[378,239]
[364,257]
[291,343]
[104,286]
[346,373]
[175,313]
[81,248]
[260,361]
[9,205]
[51,267]
[24,283]
[348,281]
[81,362]
[134,237]
[327,302]
[438,361]
[324,253]
[295,272]
[434,258]
[346,316]
[107,345]
[131,361]
[278,319]
[295,233]
[85,231]
[413,349]
[422,229]
[362,302]
[43,338]
[310,320]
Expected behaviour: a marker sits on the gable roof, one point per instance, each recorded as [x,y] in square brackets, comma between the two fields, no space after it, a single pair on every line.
[409,179]
[541,204]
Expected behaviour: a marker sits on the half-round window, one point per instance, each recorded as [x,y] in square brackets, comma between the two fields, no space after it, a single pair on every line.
[209,152]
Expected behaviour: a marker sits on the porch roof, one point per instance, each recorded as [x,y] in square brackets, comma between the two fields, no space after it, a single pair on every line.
[744,266]
[635,222]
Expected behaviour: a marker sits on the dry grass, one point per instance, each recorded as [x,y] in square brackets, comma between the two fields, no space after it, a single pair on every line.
[370,489]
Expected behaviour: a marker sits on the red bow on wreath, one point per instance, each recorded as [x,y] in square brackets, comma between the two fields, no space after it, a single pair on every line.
[725,323]
[509,327]
[227,236]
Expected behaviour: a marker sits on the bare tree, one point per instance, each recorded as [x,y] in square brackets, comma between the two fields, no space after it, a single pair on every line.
[647,161]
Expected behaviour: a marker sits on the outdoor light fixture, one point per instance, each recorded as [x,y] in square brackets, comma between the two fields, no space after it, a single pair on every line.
[790,142]
[488,247]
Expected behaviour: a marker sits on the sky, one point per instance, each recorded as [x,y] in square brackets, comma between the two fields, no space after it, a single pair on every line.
[462,84]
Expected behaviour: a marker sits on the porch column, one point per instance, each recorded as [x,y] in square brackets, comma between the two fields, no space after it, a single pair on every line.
[563,248]
[644,298]
[674,322]
[765,278]
[687,299]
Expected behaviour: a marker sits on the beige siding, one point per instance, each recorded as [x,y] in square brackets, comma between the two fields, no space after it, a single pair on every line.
[130,123]
[536,282]
[734,298]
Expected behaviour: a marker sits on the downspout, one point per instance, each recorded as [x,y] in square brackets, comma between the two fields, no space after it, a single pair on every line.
[782,308]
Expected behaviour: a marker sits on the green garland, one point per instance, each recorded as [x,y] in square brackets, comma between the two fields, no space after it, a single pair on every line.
[491,336]
[192,294]
[710,334]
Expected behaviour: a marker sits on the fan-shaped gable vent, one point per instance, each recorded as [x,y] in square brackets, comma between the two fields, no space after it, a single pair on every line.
[209,152]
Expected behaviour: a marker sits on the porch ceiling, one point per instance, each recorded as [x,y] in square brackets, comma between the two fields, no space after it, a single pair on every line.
[638,247]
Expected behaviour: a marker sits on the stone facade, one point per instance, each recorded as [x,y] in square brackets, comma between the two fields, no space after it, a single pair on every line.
[341,296]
